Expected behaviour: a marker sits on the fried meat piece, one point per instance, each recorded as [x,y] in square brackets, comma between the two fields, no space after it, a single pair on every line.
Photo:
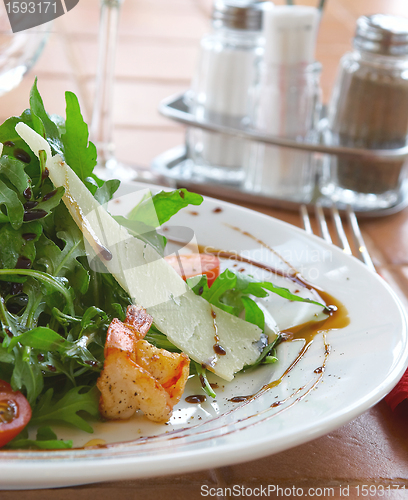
[136,374]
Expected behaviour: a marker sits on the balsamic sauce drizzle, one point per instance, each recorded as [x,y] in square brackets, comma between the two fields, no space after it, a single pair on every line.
[337,317]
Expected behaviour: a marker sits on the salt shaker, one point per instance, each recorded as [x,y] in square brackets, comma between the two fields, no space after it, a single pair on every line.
[286,103]
[369,109]
[220,91]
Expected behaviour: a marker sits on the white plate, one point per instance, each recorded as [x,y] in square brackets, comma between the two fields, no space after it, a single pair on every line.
[367,358]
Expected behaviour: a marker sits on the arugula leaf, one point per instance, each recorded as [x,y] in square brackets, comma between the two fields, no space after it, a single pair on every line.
[224,282]
[62,259]
[42,123]
[281,291]
[45,433]
[8,135]
[250,285]
[64,319]
[82,354]
[50,283]
[46,440]
[79,154]
[27,374]
[159,340]
[268,354]
[162,206]
[47,341]
[253,313]
[15,209]
[5,356]
[12,142]
[106,293]
[66,409]
[14,245]
[8,323]
[153,211]
[14,170]
[105,192]
[140,230]
[42,338]
[202,373]
[50,199]
[88,318]
[36,297]
[230,288]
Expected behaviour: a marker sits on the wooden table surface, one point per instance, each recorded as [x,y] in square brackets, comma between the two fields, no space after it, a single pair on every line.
[158,46]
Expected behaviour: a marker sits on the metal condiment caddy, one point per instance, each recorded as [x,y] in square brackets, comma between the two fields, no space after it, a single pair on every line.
[178,164]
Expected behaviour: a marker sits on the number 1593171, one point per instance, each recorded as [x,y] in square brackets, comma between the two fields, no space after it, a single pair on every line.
[31,7]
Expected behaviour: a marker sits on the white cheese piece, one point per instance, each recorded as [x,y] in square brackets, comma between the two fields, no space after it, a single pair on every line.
[189,321]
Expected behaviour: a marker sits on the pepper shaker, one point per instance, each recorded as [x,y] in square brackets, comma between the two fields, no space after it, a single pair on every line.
[369,109]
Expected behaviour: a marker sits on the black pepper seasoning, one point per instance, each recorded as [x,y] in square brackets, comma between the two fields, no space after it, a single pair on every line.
[369,110]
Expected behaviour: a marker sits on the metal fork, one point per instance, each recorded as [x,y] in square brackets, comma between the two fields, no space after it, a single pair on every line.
[360,252]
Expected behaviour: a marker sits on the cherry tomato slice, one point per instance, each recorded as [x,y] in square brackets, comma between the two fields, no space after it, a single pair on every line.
[194,264]
[15,413]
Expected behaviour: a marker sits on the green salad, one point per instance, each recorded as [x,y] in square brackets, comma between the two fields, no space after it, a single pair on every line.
[54,308]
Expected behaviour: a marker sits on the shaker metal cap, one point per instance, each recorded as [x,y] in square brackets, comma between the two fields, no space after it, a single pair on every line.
[382,34]
[239,14]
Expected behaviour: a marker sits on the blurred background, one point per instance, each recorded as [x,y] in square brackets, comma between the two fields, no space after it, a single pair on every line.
[156,57]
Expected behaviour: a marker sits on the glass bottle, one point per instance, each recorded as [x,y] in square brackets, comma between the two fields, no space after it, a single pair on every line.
[369,109]
[220,92]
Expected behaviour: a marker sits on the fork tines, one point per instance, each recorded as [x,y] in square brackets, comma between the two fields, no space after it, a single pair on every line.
[360,249]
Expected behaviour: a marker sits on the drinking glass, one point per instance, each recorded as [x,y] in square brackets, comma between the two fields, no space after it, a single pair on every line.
[102,123]
[18,51]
